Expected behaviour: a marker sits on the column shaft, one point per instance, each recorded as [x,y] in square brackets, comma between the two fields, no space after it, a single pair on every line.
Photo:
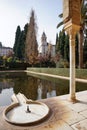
[72,68]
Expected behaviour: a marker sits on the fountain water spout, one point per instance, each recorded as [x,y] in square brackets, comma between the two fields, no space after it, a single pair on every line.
[28,110]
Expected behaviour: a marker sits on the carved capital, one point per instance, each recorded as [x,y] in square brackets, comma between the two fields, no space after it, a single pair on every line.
[72,33]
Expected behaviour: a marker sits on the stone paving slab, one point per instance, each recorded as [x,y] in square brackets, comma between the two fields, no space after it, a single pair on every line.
[81,93]
[72,117]
[82,125]
[63,115]
[84,113]
[58,125]
[78,107]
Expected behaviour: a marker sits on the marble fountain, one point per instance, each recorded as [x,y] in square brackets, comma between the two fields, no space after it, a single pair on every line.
[24,111]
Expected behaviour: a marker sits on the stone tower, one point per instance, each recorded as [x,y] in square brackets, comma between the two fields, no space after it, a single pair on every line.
[44,45]
[44,38]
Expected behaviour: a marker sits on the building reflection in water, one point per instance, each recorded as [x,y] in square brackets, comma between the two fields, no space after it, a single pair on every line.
[6,84]
[46,89]
[39,90]
[6,90]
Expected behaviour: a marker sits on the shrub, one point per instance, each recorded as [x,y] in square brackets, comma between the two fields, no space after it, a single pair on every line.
[17,65]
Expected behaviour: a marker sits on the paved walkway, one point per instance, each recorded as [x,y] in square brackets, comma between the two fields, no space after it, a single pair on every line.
[64,115]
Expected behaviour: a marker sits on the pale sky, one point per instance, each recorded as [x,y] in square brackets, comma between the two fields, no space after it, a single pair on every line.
[17,12]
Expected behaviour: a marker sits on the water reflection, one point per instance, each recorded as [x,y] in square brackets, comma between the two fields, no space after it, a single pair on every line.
[32,87]
[6,83]
[28,86]
[46,89]
[5,97]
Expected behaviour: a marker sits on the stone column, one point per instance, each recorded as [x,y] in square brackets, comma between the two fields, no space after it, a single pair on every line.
[72,20]
[72,66]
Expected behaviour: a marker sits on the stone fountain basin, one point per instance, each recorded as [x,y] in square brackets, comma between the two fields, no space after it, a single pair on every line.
[17,112]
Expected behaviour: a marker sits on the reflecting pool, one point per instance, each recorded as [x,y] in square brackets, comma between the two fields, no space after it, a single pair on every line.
[33,87]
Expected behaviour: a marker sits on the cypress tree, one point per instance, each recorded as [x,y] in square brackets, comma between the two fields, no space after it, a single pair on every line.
[59,42]
[24,38]
[66,48]
[85,50]
[25,31]
[31,46]
[62,43]
[17,37]
[76,49]
[56,43]
[21,47]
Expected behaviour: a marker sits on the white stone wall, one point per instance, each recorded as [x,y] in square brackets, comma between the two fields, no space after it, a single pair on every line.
[5,51]
[46,48]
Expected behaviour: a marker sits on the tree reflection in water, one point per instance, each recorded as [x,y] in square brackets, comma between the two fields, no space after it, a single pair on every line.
[34,87]
[27,86]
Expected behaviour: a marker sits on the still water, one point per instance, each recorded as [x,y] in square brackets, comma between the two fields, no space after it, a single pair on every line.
[32,87]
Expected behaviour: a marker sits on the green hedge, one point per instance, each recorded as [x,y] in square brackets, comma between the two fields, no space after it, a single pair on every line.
[14,66]
[80,73]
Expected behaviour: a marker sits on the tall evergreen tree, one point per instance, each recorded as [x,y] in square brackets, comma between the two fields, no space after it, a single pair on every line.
[85,50]
[20,46]
[24,39]
[62,43]
[77,49]
[66,48]
[31,46]
[17,37]
[59,42]
[25,31]
[56,43]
